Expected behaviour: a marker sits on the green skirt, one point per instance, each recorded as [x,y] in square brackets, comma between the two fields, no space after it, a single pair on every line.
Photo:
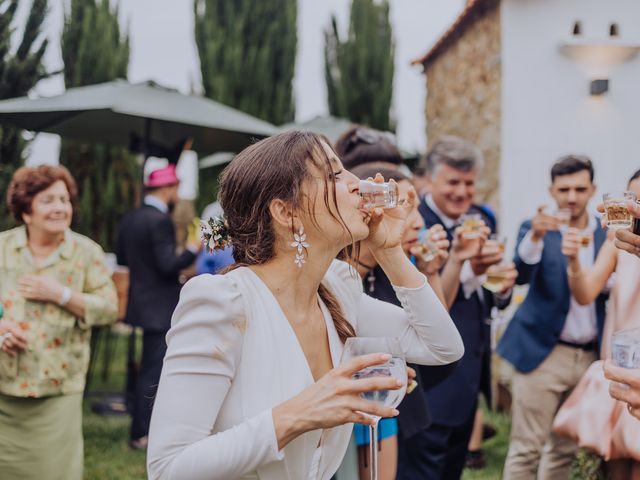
[41,438]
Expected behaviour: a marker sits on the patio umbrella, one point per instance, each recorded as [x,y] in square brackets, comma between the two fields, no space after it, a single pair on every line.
[144,117]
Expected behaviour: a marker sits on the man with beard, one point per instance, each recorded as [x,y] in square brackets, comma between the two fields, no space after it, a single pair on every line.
[147,245]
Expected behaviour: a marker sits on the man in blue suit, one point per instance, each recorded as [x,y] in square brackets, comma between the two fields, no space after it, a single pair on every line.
[439,452]
[551,340]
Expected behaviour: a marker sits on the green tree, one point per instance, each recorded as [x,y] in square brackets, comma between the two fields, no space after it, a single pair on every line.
[94,50]
[359,70]
[247,54]
[20,69]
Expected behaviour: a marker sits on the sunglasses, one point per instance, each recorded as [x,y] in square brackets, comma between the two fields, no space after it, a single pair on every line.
[368,136]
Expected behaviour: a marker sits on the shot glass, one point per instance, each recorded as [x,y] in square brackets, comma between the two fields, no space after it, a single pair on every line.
[615,206]
[471,224]
[497,276]
[564,218]
[585,238]
[625,349]
[378,195]
[426,246]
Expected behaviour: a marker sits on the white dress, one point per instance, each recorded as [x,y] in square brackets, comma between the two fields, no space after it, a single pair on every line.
[232,356]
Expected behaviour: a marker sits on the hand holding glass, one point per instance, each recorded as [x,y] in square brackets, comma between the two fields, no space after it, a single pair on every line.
[615,206]
[396,367]
[378,195]
[625,349]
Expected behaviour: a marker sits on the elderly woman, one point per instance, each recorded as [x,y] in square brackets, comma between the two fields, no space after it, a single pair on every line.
[54,286]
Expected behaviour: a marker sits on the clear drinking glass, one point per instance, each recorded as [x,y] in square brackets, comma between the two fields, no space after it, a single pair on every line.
[426,246]
[471,224]
[496,278]
[564,218]
[378,195]
[615,206]
[396,367]
[625,349]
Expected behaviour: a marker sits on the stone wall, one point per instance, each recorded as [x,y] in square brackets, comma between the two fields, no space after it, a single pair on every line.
[463,93]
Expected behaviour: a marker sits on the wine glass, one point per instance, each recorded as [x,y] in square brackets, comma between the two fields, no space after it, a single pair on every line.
[396,367]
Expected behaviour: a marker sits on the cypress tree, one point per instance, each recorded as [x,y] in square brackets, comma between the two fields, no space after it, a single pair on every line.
[247,54]
[94,51]
[359,69]
[20,69]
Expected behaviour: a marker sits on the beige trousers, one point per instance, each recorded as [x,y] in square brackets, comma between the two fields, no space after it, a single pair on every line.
[534,451]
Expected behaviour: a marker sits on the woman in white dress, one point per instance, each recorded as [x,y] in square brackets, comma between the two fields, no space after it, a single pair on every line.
[252,386]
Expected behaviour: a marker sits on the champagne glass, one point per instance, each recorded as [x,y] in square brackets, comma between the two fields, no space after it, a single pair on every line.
[396,367]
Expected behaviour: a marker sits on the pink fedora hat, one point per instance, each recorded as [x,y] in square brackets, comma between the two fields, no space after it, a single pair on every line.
[162,177]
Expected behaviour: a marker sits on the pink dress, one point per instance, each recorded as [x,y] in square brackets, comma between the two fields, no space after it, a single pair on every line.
[590,416]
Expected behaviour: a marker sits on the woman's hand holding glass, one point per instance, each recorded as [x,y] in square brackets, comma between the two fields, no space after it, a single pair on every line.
[336,399]
[40,288]
[14,340]
[387,226]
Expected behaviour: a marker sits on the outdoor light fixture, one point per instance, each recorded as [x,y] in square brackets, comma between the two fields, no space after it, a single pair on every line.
[599,86]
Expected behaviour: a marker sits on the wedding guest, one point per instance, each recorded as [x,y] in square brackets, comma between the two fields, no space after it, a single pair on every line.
[147,245]
[452,167]
[552,339]
[54,286]
[590,417]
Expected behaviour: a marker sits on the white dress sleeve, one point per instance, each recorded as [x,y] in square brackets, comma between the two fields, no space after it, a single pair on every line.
[423,326]
[204,347]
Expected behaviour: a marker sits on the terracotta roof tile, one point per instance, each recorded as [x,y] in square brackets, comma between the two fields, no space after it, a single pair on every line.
[460,22]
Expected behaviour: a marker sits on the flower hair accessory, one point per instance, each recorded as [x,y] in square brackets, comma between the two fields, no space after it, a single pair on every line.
[215,234]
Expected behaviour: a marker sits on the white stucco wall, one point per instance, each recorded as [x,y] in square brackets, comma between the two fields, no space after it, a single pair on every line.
[547,108]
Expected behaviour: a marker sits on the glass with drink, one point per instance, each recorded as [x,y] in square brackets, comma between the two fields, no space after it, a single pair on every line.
[471,225]
[625,348]
[378,195]
[615,206]
[497,277]
[425,248]
[585,238]
[396,367]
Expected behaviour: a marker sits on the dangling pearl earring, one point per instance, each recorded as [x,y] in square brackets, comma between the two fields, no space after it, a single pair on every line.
[299,243]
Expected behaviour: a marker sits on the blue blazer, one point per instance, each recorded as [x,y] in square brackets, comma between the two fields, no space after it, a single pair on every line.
[536,325]
[452,391]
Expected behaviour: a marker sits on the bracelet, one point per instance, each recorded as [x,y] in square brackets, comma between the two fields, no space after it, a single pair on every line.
[572,274]
[65,297]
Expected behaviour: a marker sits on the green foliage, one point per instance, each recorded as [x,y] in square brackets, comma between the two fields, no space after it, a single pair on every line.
[20,69]
[95,51]
[247,54]
[359,70]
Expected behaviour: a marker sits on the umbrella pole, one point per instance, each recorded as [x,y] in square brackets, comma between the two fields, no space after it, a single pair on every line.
[146,135]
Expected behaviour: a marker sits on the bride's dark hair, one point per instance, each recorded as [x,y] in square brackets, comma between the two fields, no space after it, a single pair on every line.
[277,168]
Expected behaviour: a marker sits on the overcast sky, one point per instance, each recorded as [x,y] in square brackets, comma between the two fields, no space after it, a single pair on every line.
[163,49]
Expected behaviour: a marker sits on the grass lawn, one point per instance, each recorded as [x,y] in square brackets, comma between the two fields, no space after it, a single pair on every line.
[108,457]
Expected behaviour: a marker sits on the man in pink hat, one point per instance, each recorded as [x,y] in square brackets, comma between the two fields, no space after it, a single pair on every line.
[147,245]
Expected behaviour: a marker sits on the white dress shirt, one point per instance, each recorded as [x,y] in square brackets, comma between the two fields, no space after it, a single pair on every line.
[580,326]
[469,280]
[154,201]
[232,356]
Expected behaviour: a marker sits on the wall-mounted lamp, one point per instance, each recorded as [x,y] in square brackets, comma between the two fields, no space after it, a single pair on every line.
[599,86]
